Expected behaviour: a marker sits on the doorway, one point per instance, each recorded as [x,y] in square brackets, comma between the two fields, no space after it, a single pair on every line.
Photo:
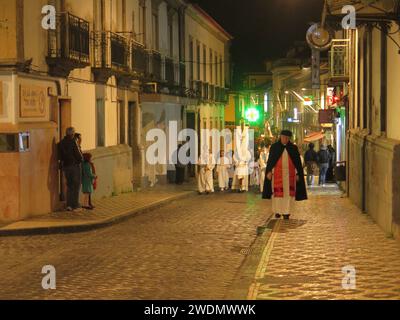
[64,122]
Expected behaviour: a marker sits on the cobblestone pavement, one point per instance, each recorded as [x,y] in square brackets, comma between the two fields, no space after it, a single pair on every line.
[304,257]
[189,249]
[196,248]
[108,210]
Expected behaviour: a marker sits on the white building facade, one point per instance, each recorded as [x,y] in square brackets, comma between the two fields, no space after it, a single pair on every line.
[113,69]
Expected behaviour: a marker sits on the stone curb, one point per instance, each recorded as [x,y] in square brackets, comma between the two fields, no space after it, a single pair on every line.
[93,225]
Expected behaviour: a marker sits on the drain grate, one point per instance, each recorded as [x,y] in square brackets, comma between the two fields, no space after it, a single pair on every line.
[246,251]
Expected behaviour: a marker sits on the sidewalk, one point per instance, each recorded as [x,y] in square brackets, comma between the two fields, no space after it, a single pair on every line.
[108,211]
[304,257]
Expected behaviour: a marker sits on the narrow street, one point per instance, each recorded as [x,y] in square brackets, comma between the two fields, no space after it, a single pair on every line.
[203,247]
[189,249]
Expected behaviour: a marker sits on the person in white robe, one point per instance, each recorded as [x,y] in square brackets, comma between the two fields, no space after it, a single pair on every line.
[241,177]
[222,172]
[262,162]
[206,170]
[254,174]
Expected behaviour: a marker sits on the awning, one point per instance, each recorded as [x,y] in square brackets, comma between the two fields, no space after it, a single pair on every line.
[315,136]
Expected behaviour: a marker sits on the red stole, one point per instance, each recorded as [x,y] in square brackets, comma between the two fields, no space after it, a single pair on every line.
[278,178]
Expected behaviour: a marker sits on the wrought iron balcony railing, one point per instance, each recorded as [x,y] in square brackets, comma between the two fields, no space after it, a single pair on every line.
[169,71]
[154,66]
[139,59]
[182,74]
[205,91]
[111,51]
[68,45]
[211,95]
[199,89]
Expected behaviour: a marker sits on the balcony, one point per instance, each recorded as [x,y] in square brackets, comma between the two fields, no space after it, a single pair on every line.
[211,95]
[68,45]
[169,71]
[219,94]
[154,67]
[199,89]
[139,60]
[182,75]
[205,95]
[111,57]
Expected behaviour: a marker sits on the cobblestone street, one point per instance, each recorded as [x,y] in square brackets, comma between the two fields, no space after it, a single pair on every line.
[189,249]
[304,257]
[200,248]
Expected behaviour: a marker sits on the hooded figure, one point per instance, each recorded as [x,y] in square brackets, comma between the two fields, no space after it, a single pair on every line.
[206,168]
[284,181]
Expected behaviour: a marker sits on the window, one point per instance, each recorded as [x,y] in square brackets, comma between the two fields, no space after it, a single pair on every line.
[100,122]
[211,67]
[121,124]
[216,69]
[171,37]
[155,31]
[198,61]
[191,67]
[133,26]
[99,15]
[142,22]
[253,83]
[8,142]
[221,73]
[204,63]
[123,15]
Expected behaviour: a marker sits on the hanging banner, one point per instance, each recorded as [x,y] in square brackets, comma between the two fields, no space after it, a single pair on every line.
[315,67]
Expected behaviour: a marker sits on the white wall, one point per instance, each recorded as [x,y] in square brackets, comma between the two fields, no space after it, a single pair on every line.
[199,33]
[83,117]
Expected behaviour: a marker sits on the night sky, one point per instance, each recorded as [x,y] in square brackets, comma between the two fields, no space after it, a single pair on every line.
[262,28]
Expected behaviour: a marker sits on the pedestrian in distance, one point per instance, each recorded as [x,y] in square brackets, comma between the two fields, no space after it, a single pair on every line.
[71,158]
[206,168]
[330,175]
[179,168]
[324,159]
[88,181]
[311,164]
[284,182]
[254,174]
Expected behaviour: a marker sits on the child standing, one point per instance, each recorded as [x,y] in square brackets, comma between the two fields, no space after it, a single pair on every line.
[88,181]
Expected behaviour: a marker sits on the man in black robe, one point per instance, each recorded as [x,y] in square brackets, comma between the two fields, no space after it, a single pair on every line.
[284,181]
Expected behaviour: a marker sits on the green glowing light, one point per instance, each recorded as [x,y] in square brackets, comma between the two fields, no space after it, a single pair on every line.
[252,115]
